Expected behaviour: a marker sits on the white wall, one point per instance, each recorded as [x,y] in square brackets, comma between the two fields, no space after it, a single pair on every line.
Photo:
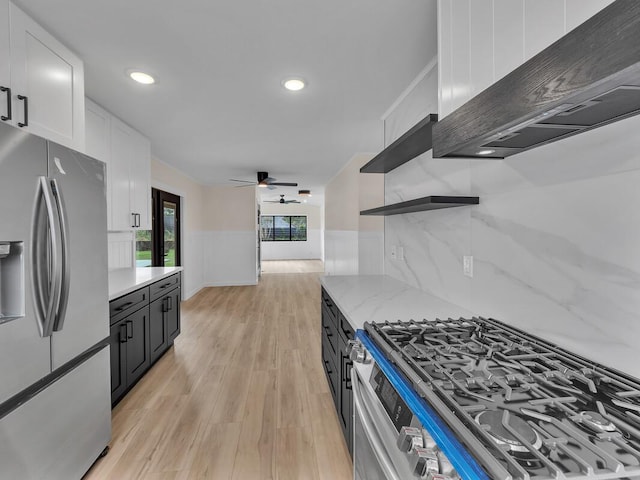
[555,238]
[353,243]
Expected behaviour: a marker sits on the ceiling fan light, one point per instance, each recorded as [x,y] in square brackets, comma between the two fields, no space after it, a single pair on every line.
[304,193]
[263,185]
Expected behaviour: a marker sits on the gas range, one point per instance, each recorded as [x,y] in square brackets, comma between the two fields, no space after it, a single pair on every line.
[522,407]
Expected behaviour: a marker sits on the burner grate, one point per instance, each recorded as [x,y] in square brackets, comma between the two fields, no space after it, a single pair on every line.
[553,414]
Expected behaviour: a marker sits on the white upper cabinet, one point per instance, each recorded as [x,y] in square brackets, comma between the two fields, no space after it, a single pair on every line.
[481,41]
[47,81]
[5,55]
[127,154]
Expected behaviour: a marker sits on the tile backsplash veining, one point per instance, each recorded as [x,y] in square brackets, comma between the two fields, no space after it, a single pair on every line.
[555,239]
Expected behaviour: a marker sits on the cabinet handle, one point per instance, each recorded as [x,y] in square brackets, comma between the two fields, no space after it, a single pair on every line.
[123,307]
[25,99]
[123,333]
[137,220]
[328,330]
[8,92]
[170,302]
[165,304]
[347,373]
[134,220]
[129,329]
[329,371]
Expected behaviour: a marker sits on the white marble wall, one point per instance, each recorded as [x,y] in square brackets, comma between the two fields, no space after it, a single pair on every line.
[555,239]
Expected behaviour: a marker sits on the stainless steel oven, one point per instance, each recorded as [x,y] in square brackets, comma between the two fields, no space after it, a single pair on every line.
[389,441]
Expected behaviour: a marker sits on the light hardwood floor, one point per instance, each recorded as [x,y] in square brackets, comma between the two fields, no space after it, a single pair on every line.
[241,395]
[292,266]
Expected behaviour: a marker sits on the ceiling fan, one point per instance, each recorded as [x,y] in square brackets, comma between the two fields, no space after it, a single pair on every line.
[282,200]
[264,180]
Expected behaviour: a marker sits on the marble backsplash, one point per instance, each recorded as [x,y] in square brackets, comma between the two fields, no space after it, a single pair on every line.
[555,238]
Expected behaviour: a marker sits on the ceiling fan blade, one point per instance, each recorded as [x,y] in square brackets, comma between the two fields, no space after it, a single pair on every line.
[291,201]
[270,186]
[271,201]
[242,181]
[247,185]
[284,184]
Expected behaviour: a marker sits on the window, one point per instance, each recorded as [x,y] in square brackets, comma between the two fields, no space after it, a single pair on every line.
[283,228]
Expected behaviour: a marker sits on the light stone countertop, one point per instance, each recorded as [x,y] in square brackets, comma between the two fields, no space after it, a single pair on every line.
[376,298]
[127,280]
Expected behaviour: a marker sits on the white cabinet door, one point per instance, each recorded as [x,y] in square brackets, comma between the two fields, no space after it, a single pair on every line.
[122,156]
[5,61]
[98,142]
[140,181]
[127,154]
[51,78]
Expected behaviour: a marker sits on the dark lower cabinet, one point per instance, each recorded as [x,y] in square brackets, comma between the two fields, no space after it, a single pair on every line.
[130,354]
[118,343]
[345,409]
[158,328]
[141,332]
[336,332]
[165,322]
[173,316]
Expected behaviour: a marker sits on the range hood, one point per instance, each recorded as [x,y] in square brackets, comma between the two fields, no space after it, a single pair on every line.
[588,78]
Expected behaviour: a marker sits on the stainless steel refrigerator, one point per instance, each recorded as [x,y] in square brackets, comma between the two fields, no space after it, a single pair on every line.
[55,412]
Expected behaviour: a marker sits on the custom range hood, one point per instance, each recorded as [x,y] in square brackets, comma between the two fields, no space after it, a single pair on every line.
[588,78]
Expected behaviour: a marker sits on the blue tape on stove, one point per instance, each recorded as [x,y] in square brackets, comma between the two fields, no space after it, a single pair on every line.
[464,463]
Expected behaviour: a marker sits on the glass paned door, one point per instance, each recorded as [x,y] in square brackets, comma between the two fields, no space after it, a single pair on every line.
[166,229]
[169,211]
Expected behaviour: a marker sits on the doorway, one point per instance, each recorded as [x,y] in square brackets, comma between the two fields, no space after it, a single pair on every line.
[165,233]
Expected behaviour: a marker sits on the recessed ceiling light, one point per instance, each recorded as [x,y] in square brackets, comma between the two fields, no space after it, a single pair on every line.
[486,152]
[294,84]
[142,77]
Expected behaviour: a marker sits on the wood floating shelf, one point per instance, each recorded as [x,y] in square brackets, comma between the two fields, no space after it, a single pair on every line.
[422,204]
[414,142]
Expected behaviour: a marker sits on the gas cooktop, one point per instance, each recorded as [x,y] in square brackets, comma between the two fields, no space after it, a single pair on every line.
[523,407]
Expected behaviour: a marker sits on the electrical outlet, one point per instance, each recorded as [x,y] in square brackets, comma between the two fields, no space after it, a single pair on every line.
[401,254]
[393,252]
[467,265]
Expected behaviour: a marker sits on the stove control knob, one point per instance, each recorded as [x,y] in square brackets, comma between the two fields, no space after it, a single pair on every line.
[445,465]
[409,439]
[356,351]
[424,463]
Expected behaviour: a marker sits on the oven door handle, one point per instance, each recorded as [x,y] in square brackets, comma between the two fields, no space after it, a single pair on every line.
[378,448]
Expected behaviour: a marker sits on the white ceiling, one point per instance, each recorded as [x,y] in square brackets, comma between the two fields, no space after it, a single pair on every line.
[218,110]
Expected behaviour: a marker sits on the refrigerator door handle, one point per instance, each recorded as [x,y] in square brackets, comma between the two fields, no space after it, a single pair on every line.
[46,259]
[66,264]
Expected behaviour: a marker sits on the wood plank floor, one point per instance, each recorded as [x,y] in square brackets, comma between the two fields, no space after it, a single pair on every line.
[292,266]
[241,395]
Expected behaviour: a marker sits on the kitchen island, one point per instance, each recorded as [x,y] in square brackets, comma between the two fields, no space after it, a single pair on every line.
[347,302]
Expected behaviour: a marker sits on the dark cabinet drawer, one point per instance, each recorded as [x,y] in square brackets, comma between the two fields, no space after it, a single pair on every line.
[165,285]
[127,304]
[331,307]
[330,370]
[329,331]
[345,329]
